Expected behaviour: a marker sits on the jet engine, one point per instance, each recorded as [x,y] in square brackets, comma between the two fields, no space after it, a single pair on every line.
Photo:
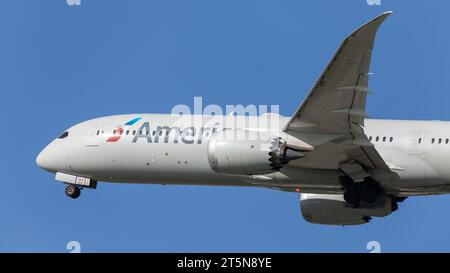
[331,209]
[245,152]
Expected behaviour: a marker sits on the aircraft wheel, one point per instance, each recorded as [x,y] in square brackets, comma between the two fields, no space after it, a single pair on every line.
[368,196]
[72,191]
[369,193]
[352,196]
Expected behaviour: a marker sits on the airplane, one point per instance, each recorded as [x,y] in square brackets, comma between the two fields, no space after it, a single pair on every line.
[347,167]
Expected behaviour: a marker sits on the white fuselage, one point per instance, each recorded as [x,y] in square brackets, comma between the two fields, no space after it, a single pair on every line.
[102,150]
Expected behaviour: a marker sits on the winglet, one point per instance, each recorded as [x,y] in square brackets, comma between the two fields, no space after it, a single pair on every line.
[375,22]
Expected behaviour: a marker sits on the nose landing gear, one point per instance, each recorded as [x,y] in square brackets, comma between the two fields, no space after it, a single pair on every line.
[73,191]
[74,183]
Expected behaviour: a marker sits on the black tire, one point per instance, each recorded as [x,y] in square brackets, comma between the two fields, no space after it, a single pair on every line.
[370,191]
[72,191]
[352,196]
[368,197]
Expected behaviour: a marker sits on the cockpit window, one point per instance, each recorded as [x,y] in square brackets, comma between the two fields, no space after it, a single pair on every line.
[64,135]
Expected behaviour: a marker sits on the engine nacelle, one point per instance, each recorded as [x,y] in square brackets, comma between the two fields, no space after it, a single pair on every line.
[331,209]
[244,152]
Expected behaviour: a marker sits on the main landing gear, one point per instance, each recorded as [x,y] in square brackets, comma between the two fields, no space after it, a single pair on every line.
[367,192]
[369,195]
[73,191]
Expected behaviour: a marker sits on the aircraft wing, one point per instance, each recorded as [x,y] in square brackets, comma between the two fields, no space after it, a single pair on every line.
[335,107]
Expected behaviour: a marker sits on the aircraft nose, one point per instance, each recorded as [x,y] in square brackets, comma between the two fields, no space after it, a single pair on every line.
[40,159]
[54,158]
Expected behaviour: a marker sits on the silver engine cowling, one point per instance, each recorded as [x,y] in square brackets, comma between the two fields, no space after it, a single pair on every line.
[244,152]
[331,209]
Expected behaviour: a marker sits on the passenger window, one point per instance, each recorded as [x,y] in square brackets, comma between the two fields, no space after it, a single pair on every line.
[446,141]
[154,133]
[114,132]
[98,132]
[140,132]
[134,132]
[384,139]
[128,132]
[432,140]
[64,135]
[391,139]
[440,140]
[420,140]
[370,138]
[377,138]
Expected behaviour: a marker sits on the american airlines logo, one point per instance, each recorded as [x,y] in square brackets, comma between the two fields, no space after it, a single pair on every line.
[120,131]
[164,134]
[174,134]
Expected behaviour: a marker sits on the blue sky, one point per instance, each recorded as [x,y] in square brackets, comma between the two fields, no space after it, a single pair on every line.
[60,65]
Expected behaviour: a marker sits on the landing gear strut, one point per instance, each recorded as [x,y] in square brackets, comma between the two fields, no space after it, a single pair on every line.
[72,191]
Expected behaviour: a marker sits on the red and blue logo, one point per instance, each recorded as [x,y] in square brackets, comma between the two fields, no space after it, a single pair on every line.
[118,132]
